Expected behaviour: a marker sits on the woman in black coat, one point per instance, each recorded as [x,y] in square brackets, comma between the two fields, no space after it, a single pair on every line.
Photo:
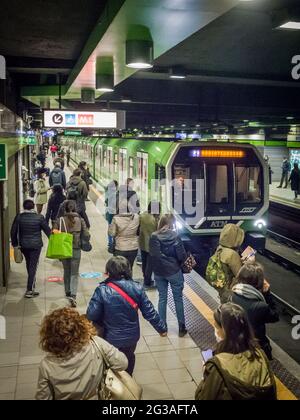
[56,199]
[295,180]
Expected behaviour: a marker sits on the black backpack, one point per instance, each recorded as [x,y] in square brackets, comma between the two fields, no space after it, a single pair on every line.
[56,177]
[72,192]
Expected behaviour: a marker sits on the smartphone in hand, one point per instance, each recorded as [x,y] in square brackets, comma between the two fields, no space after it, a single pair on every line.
[206,355]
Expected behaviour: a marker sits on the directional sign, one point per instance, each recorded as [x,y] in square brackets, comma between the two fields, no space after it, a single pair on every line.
[57,119]
[90,275]
[3,162]
[80,119]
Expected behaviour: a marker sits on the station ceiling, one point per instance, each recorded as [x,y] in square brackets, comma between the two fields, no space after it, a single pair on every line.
[237,65]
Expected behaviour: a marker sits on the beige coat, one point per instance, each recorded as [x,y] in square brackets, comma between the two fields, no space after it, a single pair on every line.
[124,228]
[41,189]
[78,377]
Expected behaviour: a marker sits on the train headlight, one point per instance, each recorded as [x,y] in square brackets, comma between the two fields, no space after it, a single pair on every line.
[179,225]
[260,223]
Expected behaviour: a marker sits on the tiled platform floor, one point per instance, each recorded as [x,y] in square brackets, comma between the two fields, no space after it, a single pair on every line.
[167,368]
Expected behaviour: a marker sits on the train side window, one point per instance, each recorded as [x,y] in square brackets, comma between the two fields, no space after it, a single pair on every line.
[217,184]
[160,172]
[248,184]
[116,163]
[131,167]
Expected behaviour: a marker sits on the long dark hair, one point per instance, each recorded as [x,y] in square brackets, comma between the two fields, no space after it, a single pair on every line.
[70,211]
[239,336]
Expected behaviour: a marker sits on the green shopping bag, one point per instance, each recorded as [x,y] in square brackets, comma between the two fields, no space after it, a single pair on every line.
[60,246]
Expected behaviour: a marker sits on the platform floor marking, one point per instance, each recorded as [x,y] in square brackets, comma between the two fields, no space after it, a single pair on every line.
[283,393]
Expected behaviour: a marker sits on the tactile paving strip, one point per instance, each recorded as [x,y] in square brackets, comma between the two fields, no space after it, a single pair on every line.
[202,332]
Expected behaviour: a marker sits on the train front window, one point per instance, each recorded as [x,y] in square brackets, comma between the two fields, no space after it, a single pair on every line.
[217,184]
[248,184]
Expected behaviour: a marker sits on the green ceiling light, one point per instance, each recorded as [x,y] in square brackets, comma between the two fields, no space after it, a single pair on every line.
[87,96]
[105,74]
[139,48]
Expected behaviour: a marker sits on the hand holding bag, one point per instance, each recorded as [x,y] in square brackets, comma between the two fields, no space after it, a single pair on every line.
[18,256]
[189,264]
[116,385]
[60,246]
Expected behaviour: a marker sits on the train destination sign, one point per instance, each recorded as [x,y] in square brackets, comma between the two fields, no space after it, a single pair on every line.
[81,119]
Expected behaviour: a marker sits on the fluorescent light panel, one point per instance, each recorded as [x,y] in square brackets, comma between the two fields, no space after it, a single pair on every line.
[291,25]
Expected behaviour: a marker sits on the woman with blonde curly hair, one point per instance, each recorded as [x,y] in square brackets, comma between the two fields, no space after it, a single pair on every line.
[73,367]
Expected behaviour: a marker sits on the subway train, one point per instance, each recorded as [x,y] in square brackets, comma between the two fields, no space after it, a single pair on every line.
[205,184]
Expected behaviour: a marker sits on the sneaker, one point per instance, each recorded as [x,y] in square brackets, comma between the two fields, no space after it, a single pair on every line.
[29,294]
[182,331]
[73,302]
[68,295]
[139,262]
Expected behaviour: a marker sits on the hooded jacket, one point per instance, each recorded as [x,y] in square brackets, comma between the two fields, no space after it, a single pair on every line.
[167,253]
[53,207]
[124,228]
[79,183]
[260,309]
[77,377]
[237,377]
[117,317]
[58,170]
[231,238]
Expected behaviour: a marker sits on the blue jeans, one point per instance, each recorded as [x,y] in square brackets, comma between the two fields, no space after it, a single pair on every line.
[176,282]
[109,218]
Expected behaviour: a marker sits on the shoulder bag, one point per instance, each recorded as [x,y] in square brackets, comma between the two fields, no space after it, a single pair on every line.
[18,256]
[116,385]
[189,264]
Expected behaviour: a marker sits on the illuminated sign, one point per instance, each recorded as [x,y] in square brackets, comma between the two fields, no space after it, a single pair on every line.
[80,119]
[214,153]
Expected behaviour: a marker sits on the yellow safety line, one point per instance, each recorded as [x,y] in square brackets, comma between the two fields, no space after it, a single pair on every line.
[283,393]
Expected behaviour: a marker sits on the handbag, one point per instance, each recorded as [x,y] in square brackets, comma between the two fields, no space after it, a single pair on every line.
[60,246]
[18,256]
[189,264]
[116,385]
[85,244]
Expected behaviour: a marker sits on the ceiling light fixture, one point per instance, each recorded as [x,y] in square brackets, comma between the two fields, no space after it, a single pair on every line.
[286,19]
[139,48]
[105,74]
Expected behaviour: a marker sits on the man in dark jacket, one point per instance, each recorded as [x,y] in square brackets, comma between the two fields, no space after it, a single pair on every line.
[26,232]
[57,176]
[286,169]
[252,293]
[119,320]
[77,190]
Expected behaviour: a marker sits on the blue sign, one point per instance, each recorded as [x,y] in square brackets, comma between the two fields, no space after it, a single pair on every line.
[70,119]
[90,275]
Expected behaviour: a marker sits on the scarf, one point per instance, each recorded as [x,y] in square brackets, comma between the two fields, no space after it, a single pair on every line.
[248,292]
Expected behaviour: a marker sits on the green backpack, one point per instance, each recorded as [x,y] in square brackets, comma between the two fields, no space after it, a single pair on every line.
[217,273]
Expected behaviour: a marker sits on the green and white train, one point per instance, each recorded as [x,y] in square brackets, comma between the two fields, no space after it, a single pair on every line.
[228,183]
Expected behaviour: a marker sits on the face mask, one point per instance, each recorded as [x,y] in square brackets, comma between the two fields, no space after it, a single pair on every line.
[218,338]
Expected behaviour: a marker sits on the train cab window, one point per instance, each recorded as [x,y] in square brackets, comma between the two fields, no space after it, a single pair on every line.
[217,184]
[248,184]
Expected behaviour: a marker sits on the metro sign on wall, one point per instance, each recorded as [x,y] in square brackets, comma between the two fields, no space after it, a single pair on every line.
[80,119]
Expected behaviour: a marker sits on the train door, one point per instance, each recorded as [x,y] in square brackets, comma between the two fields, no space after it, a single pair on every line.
[110,161]
[219,200]
[99,161]
[122,166]
[142,178]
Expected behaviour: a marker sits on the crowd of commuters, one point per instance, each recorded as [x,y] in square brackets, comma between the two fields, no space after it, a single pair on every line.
[78,346]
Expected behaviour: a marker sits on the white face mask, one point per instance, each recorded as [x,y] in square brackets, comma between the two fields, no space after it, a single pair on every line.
[218,338]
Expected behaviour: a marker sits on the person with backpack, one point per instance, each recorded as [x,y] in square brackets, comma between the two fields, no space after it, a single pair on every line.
[85,174]
[26,233]
[72,223]
[239,369]
[252,292]
[125,229]
[225,264]
[57,176]
[60,160]
[111,195]
[114,307]
[167,256]
[56,199]
[77,191]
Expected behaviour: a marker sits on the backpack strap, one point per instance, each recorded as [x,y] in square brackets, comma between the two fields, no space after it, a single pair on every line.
[121,292]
